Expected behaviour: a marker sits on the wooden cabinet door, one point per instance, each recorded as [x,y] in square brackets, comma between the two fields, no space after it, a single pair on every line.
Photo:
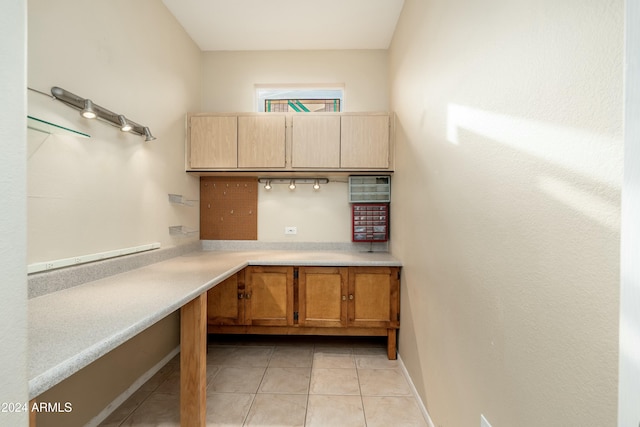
[261,141]
[225,302]
[269,296]
[315,141]
[213,142]
[322,296]
[374,299]
[364,142]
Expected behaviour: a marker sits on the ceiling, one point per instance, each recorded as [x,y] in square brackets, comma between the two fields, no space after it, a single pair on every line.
[287,24]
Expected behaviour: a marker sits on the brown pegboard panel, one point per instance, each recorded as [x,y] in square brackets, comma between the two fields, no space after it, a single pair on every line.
[228,208]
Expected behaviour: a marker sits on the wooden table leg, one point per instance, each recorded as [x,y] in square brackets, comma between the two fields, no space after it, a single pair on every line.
[32,414]
[193,362]
[392,351]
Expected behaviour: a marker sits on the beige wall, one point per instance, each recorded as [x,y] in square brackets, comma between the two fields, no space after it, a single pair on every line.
[108,192]
[319,216]
[506,206]
[229,80]
[13,224]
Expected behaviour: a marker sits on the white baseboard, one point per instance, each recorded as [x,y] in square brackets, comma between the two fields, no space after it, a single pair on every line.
[423,408]
[132,389]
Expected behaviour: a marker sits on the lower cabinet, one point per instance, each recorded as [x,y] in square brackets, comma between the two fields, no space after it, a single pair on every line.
[255,296]
[359,301]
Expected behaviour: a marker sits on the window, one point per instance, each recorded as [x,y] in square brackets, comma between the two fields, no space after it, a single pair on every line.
[272,99]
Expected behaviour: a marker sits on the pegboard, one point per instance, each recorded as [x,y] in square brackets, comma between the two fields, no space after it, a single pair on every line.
[228,208]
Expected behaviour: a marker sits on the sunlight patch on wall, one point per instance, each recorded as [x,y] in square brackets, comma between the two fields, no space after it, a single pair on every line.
[592,155]
[587,203]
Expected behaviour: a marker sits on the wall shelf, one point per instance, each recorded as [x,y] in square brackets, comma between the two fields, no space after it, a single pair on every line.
[181,230]
[49,128]
[178,199]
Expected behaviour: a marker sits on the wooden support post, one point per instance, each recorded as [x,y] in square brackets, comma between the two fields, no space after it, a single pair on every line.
[392,343]
[32,414]
[193,362]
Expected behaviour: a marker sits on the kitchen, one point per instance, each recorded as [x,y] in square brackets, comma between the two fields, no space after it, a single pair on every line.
[505,213]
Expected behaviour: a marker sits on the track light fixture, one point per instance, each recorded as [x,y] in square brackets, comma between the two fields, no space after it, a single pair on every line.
[90,110]
[293,182]
[124,124]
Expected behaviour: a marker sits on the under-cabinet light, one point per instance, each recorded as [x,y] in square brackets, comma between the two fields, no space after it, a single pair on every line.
[90,110]
[292,184]
[267,186]
[316,185]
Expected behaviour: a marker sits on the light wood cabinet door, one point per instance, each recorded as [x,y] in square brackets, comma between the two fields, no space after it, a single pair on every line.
[261,141]
[364,142]
[225,302]
[322,296]
[269,296]
[374,299]
[213,142]
[315,141]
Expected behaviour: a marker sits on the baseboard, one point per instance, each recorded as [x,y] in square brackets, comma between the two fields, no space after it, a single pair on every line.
[132,389]
[423,408]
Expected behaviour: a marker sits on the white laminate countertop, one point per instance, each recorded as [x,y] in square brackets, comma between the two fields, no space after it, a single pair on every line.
[70,329]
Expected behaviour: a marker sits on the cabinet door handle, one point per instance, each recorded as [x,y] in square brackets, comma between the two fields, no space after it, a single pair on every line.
[248,296]
[240,296]
[344,297]
[351,297]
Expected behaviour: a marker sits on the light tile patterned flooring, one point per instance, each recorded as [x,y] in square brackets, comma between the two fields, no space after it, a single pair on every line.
[284,381]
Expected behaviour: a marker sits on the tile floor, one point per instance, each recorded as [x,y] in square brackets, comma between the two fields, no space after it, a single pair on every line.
[284,381]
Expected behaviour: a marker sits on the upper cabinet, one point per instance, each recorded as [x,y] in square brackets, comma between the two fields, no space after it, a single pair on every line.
[315,141]
[364,142]
[213,142]
[261,141]
[289,142]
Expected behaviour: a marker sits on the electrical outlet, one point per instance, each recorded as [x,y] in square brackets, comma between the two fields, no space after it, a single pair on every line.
[484,422]
[291,230]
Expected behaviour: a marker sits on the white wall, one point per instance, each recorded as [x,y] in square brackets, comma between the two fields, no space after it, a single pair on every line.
[228,85]
[110,191]
[13,284]
[506,206]
[629,372]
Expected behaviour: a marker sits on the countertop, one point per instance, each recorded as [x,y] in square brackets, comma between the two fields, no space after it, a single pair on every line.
[71,328]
